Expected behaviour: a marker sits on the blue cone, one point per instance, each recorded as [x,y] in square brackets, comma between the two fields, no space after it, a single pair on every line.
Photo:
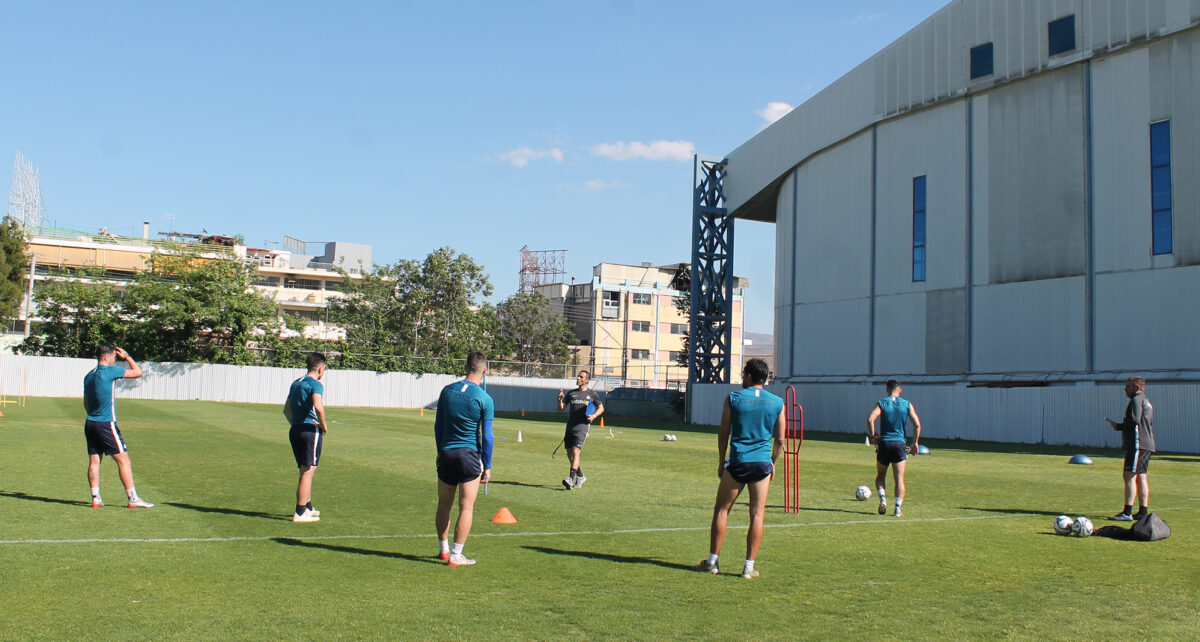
[923,450]
[1081,459]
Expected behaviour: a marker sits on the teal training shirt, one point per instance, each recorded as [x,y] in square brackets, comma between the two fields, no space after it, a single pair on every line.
[464,419]
[894,418]
[98,392]
[752,416]
[301,403]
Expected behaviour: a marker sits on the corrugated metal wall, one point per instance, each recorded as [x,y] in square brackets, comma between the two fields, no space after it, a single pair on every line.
[1061,415]
[57,377]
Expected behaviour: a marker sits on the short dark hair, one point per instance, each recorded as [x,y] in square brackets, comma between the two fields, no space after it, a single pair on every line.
[476,362]
[103,350]
[1138,382]
[585,373]
[892,385]
[313,360]
[757,371]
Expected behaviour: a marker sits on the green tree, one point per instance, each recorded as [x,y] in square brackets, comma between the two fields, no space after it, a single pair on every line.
[192,307]
[682,281]
[530,331]
[14,268]
[78,310]
[418,316]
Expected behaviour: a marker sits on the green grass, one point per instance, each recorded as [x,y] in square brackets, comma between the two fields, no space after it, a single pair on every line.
[973,557]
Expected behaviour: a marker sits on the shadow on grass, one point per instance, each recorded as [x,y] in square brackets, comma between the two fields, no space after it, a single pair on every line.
[514,483]
[38,498]
[623,559]
[289,541]
[1013,511]
[809,509]
[1187,460]
[227,511]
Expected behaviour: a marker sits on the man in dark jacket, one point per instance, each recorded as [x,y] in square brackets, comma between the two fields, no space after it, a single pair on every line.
[1137,438]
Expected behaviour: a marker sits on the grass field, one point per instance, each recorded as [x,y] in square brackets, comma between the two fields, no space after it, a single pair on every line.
[974,556]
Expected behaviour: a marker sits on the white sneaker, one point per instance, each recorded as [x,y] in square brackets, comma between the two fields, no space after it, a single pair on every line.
[315,512]
[882,508]
[749,574]
[579,480]
[459,560]
[97,502]
[140,503]
[568,484]
[306,516]
[899,513]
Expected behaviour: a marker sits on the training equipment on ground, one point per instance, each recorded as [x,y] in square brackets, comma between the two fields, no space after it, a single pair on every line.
[862,493]
[1063,524]
[1083,460]
[923,450]
[793,438]
[504,516]
[1082,527]
[519,435]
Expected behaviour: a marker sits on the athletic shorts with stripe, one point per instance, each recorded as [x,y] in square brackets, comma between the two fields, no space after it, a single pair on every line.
[1137,461]
[890,452]
[103,438]
[459,465]
[748,472]
[576,436]
[307,441]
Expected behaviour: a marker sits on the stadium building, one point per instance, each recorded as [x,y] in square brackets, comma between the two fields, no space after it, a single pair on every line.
[1007,195]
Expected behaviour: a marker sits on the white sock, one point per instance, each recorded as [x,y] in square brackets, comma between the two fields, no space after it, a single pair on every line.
[444,544]
[712,558]
[882,495]
[899,500]
[457,550]
[749,566]
[96,492]
[132,492]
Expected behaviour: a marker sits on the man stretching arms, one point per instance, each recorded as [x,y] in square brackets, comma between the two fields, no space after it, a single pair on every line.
[305,411]
[100,428]
[752,427]
[463,432]
[585,407]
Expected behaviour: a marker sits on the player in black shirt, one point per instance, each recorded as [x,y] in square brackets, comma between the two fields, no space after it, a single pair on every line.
[584,406]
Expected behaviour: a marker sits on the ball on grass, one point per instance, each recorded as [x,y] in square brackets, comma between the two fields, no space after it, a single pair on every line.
[1063,524]
[1082,527]
[862,493]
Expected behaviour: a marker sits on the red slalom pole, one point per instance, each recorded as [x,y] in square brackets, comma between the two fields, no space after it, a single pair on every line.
[793,437]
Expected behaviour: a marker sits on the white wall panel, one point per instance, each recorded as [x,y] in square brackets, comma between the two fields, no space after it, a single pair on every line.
[900,334]
[831,338]
[1148,319]
[1030,326]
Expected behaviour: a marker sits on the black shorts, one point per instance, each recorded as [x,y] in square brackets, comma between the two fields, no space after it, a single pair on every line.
[103,438]
[459,465]
[748,472]
[576,435]
[307,441]
[891,452]
[1137,461]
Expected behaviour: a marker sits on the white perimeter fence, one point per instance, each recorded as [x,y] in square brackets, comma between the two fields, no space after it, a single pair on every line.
[60,377]
[1057,415]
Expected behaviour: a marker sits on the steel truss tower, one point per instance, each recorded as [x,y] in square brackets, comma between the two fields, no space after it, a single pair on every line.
[25,193]
[539,267]
[711,331]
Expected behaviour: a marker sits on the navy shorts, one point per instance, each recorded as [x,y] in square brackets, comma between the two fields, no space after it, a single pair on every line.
[103,438]
[748,472]
[576,436]
[459,465]
[1137,461]
[307,441]
[891,452]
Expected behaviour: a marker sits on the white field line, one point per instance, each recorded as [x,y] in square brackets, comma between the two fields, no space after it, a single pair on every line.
[623,531]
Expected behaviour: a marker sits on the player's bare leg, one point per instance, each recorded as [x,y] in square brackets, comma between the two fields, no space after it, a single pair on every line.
[466,510]
[1130,486]
[898,473]
[124,469]
[446,494]
[881,485]
[758,510]
[1143,492]
[304,487]
[727,494]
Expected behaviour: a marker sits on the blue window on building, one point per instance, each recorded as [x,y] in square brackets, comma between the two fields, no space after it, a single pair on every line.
[981,61]
[1160,186]
[919,228]
[1061,35]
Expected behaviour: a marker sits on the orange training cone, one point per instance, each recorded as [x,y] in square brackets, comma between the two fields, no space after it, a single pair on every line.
[522,412]
[504,516]
[602,422]
[422,411]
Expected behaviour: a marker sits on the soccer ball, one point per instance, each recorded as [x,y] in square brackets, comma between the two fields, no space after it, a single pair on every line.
[667,437]
[673,437]
[862,493]
[1082,527]
[1063,524]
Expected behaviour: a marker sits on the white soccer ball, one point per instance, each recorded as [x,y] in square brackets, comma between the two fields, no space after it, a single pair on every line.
[1082,527]
[862,493]
[666,437]
[1063,524]
[673,437]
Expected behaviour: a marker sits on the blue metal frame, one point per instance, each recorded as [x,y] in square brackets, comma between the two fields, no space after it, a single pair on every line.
[710,336]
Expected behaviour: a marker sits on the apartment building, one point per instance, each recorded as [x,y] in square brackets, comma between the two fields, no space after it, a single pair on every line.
[627,324]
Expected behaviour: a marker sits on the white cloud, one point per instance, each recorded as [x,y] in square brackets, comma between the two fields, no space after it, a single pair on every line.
[521,156]
[774,111]
[868,17]
[598,184]
[654,150]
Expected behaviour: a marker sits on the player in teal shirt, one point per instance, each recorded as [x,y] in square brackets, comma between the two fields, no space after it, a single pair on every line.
[100,428]
[895,412]
[752,427]
[462,432]
[305,411]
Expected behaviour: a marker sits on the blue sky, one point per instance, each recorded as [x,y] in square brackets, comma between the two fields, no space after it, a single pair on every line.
[485,126]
